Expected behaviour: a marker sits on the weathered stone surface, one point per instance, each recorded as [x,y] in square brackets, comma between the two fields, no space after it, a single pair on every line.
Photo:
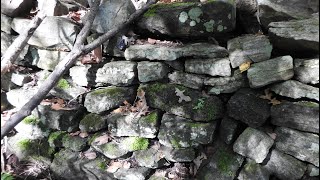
[178,155]
[213,67]
[295,89]
[20,79]
[19,97]
[75,143]
[17,8]
[190,19]
[186,79]
[247,12]
[270,71]
[137,173]
[254,144]
[129,125]
[228,129]
[52,7]
[183,101]
[85,75]
[62,32]
[165,53]
[178,132]
[307,70]
[312,170]
[177,65]
[117,73]
[284,166]
[32,128]
[107,98]
[273,10]
[253,48]
[226,84]
[6,41]
[301,145]
[92,123]
[246,106]
[296,35]
[150,158]
[5,24]
[303,116]
[253,170]
[47,60]
[151,71]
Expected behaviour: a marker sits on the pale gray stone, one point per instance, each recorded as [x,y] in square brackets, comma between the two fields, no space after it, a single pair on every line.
[47,60]
[295,89]
[136,173]
[178,155]
[270,71]
[85,74]
[312,170]
[254,171]
[52,7]
[307,70]
[301,145]
[253,48]
[254,144]
[151,71]
[32,128]
[186,79]
[75,143]
[20,79]
[6,41]
[111,150]
[228,129]
[212,67]
[5,24]
[19,97]
[150,158]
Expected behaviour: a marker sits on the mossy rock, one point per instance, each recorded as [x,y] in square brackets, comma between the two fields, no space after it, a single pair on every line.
[92,122]
[55,138]
[74,143]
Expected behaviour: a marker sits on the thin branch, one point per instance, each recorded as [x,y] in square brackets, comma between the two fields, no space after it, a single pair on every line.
[19,43]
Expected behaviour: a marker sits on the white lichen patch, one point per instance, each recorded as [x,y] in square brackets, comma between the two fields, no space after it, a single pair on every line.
[193,23]
[224,27]
[183,17]
[220,28]
[209,25]
[229,16]
[195,14]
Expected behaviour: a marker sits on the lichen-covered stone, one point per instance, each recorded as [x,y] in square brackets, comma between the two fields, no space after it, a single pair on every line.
[212,67]
[254,144]
[178,155]
[252,48]
[151,71]
[19,97]
[92,122]
[301,115]
[32,128]
[150,158]
[85,74]
[75,143]
[178,132]
[270,71]
[103,99]
[186,79]
[55,139]
[306,70]
[183,101]
[253,170]
[47,60]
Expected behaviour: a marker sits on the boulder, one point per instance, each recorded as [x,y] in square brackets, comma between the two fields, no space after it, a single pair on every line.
[186,79]
[178,155]
[151,71]
[75,143]
[307,70]
[17,8]
[212,67]
[136,173]
[5,24]
[19,97]
[20,79]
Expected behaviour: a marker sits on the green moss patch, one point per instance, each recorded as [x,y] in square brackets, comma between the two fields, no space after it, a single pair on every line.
[308,104]
[152,117]
[31,120]
[102,165]
[56,137]
[225,160]
[136,143]
[63,84]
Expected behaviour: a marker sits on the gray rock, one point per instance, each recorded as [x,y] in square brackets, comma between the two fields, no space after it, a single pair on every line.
[5,24]
[312,170]
[230,84]
[247,12]
[111,150]
[254,144]
[151,71]
[137,173]
[295,89]
[307,70]
[85,75]
[184,102]
[55,139]
[270,71]
[178,132]
[19,97]
[117,73]
[75,143]
[302,116]
[62,32]
[104,99]
[301,145]
[52,8]
[92,123]
[296,35]
[6,41]
[213,67]
[252,170]
[178,155]
[177,65]
[186,79]
[228,129]
[129,125]
[190,19]
[20,79]
[284,166]
[17,8]
[165,53]
[246,106]
[150,158]
[32,128]
[47,60]
[253,48]
[273,10]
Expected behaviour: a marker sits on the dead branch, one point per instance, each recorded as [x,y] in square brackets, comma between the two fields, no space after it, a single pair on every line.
[68,62]
[19,43]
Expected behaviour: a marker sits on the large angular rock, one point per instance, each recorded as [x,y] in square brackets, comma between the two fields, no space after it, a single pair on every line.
[75,143]
[253,170]
[85,75]
[62,32]
[117,73]
[150,158]
[270,71]
[101,100]
[307,70]
[254,144]
[296,36]
[165,53]
[47,60]
[246,106]
[190,19]
[252,48]
[178,132]
[184,102]
[219,85]
[303,116]
[92,123]
[284,166]
[186,79]
[32,128]
[301,145]
[228,129]
[5,24]
[19,97]
[18,8]
[178,155]
[212,67]
[151,71]
[295,89]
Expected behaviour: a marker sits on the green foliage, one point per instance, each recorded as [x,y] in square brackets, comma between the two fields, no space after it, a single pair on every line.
[31,120]
[25,144]
[152,117]
[199,105]
[137,143]
[6,176]
[63,84]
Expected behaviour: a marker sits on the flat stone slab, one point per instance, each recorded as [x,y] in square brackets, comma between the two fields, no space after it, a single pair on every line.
[301,145]
[270,71]
[302,116]
[295,89]
[212,67]
[252,48]
[85,75]
[307,70]
[182,101]
[151,71]
[254,144]
[167,53]
[186,79]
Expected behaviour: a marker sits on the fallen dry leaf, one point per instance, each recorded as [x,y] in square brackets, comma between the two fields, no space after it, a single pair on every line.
[126,165]
[75,133]
[268,96]
[102,139]
[244,66]
[83,134]
[114,166]
[90,155]
[181,96]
